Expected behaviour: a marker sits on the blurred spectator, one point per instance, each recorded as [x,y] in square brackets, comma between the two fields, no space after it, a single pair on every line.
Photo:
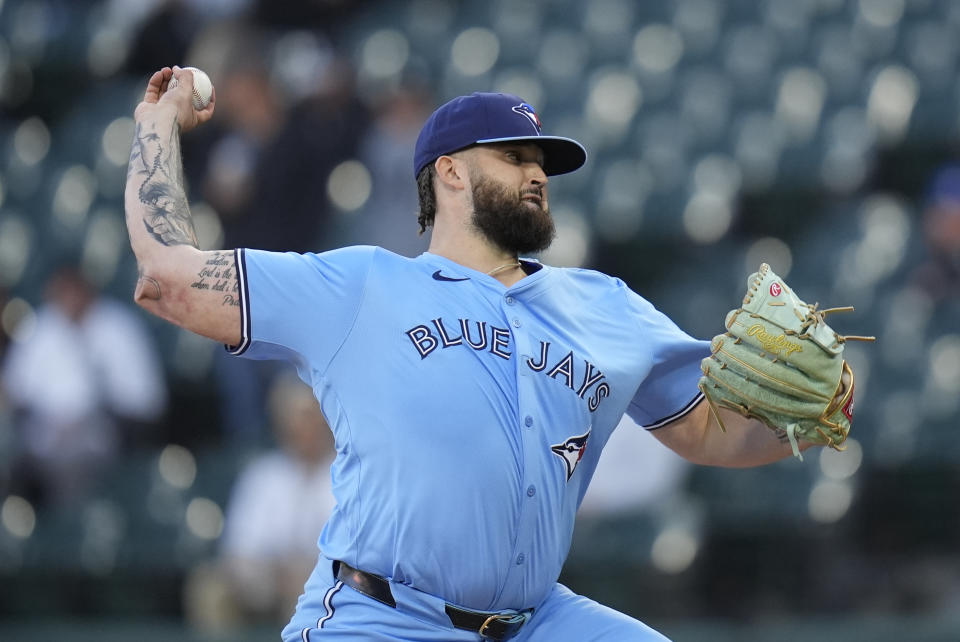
[389,218]
[264,169]
[86,378]
[264,163]
[939,274]
[322,130]
[165,30]
[163,37]
[278,506]
[236,171]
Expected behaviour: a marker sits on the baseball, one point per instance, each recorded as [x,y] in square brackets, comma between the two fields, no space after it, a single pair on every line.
[202,88]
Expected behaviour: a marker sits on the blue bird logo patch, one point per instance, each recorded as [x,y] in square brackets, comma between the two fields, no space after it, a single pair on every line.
[571,452]
[526,110]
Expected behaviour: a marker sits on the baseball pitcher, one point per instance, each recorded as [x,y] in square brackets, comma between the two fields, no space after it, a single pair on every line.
[470,390]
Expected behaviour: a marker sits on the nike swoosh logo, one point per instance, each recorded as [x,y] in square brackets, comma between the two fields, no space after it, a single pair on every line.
[439,277]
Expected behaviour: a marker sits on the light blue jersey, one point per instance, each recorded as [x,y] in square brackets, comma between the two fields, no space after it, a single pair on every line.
[468,416]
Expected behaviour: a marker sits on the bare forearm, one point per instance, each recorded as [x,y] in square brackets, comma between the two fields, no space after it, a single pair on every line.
[157,212]
[745,443]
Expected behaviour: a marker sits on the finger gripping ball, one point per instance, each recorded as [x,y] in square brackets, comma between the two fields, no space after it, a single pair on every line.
[202,87]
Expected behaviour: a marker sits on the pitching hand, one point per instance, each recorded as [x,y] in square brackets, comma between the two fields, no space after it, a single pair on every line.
[160,97]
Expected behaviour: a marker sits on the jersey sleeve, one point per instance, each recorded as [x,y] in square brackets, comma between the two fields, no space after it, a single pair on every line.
[670,389]
[299,307]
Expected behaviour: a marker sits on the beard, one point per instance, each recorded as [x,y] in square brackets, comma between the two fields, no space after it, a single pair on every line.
[509,222]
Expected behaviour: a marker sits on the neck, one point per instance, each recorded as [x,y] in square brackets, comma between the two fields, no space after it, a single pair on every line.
[479,255]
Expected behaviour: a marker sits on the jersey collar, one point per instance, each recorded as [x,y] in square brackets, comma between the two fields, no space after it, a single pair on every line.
[451,269]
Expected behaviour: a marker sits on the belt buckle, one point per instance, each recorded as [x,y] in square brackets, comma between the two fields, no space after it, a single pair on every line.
[507,618]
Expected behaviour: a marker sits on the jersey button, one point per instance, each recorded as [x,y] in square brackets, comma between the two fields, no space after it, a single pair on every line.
[516,323]
[520,559]
[528,421]
[531,491]
[510,300]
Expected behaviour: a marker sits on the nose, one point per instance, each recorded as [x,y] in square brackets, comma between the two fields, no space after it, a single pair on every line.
[537,176]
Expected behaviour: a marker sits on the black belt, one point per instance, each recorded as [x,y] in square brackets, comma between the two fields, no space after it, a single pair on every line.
[496,626]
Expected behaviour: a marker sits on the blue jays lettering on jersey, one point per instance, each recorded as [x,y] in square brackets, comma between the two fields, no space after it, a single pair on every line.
[468,417]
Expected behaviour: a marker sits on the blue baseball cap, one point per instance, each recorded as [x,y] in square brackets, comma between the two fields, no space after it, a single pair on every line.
[492,118]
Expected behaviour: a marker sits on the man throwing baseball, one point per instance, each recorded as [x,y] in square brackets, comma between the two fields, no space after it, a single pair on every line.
[470,390]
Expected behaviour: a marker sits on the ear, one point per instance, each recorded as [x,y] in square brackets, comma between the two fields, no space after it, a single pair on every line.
[451,172]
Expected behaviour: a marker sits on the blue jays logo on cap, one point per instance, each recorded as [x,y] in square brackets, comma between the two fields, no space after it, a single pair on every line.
[571,451]
[526,109]
[492,118]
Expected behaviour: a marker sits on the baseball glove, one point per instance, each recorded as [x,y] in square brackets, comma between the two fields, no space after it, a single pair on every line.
[781,363]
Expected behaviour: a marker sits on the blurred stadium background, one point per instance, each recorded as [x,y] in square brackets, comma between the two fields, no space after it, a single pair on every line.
[817,135]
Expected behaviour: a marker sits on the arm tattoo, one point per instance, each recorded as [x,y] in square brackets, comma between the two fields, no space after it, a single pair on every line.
[158,163]
[218,275]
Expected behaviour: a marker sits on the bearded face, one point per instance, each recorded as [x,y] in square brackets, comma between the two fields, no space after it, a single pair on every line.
[510,218]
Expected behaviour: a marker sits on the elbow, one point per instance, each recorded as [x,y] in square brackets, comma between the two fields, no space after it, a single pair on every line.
[158,291]
[147,292]
[150,292]
[156,275]
[151,295]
